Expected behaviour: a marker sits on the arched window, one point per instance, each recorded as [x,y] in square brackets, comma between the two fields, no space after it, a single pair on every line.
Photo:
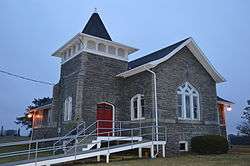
[68,109]
[111,50]
[137,107]
[91,45]
[101,47]
[64,56]
[188,102]
[69,53]
[73,50]
[121,52]
[79,46]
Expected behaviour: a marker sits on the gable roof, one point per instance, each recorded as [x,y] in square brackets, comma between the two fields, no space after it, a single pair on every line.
[155,55]
[95,27]
[144,64]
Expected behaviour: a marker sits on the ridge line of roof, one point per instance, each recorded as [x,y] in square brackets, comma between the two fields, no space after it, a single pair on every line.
[155,55]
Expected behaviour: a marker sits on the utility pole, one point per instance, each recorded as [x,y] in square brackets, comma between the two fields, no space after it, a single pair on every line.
[2,131]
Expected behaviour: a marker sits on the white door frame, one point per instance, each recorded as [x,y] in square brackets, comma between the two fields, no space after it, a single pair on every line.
[113,115]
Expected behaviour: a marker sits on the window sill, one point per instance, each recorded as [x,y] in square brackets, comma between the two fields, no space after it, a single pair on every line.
[137,119]
[66,121]
[185,120]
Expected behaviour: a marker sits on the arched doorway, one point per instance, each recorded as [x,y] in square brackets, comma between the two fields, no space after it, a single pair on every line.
[105,119]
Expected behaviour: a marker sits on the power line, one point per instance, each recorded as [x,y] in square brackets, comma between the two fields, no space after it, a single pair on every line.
[26,78]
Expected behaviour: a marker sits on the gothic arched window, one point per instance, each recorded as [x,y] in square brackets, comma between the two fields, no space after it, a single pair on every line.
[188,102]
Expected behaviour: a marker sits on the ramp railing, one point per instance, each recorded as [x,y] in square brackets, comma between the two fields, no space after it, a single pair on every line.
[117,137]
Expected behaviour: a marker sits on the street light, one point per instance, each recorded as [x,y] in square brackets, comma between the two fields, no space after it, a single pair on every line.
[31,115]
[229,108]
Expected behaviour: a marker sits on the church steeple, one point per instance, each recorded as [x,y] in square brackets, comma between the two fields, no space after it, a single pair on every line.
[95,27]
[94,39]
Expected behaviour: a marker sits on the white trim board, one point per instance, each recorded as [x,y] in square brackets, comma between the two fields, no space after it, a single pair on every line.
[193,47]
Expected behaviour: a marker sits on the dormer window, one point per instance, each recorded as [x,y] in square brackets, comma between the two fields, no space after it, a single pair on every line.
[111,50]
[101,47]
[91,45]
[121,52]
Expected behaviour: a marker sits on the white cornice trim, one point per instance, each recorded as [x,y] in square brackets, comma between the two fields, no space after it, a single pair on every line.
[132,49]
[193,47]
[136,70]
[82,36]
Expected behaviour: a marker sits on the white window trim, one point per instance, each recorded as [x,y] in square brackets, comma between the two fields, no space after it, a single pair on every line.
[191,95]
[186,146]
[67,109]
[139,112]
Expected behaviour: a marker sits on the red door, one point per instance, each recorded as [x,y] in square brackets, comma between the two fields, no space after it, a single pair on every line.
[104,118]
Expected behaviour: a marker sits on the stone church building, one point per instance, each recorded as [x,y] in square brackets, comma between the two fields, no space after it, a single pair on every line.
[175,86]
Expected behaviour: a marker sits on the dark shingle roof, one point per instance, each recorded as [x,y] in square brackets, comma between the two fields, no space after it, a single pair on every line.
[95,27]
[155,55]
[223,100]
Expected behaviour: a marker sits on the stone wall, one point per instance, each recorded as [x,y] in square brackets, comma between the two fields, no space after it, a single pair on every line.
[90,79]
[141,83]
[45,132]
[182,67]
[101,85]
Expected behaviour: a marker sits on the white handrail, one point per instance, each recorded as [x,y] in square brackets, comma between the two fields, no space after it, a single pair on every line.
[66,135]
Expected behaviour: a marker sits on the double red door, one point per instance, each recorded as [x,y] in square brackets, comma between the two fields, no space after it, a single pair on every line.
[104,118]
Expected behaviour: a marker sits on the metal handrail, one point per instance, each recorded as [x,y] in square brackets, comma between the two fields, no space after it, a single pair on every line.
[129,132]
[79,133]
[66,135]
[96,123]
[132,134]
[109,133]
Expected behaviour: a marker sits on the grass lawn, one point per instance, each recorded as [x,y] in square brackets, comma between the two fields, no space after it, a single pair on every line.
[187,160]
[5,139]
[238,156]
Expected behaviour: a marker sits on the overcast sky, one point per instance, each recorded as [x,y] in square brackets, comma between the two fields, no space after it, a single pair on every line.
[31,30]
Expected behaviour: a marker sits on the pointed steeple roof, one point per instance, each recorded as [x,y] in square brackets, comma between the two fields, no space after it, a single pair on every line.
[95,27]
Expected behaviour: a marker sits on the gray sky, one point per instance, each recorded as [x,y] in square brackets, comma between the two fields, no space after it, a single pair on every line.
[32,30]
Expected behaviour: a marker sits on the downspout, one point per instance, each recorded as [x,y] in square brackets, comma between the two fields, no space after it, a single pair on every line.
[156,105]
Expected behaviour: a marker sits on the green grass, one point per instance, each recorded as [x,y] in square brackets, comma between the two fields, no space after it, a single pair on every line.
[238,156]
[5,139]
[20,148]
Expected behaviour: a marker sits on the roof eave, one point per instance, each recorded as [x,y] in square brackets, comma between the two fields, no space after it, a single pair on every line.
[56,53]
[136,70]
[190,43]
[79,35]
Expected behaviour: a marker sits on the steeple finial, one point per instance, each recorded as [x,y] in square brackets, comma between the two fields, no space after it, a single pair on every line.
[95,10]
[95,27]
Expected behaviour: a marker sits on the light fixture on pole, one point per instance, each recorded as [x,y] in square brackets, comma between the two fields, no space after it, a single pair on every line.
[31,115]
